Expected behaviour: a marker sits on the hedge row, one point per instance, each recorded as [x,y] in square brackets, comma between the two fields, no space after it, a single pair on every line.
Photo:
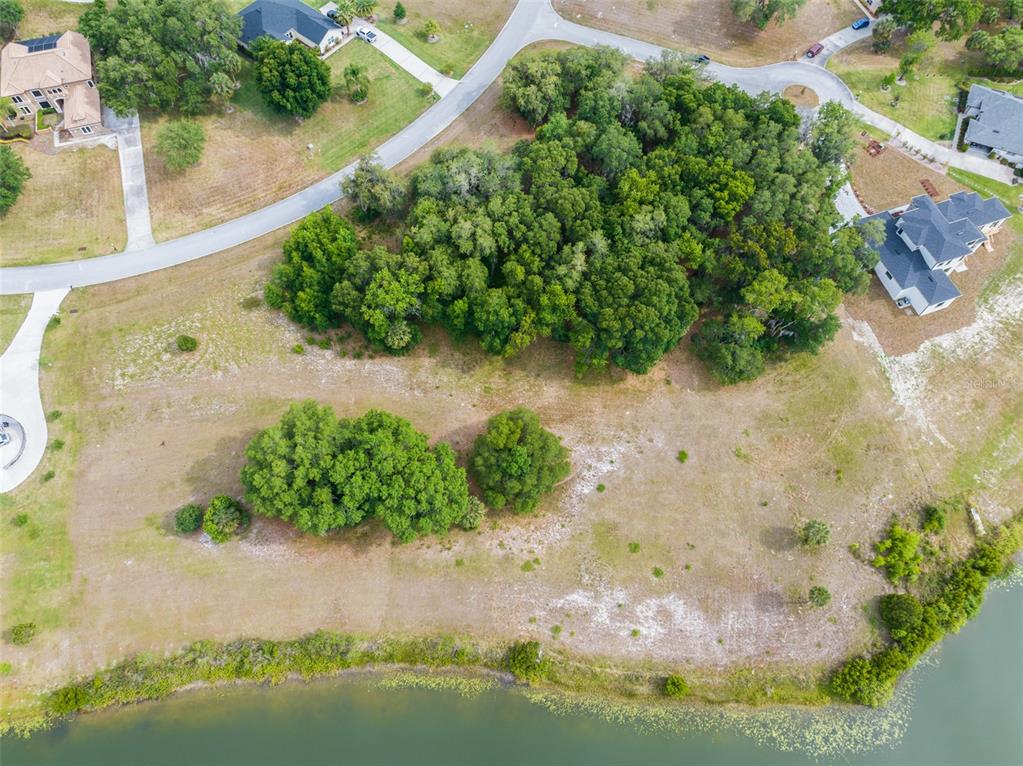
[870,680]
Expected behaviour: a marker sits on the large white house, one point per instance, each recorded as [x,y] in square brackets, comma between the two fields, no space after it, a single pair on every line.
[925,241]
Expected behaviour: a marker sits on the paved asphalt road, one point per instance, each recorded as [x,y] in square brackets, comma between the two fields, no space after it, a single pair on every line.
[530,21]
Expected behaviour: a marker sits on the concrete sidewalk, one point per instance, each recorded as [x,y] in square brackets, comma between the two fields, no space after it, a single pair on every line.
[409,61]
[19,386]
[133,179]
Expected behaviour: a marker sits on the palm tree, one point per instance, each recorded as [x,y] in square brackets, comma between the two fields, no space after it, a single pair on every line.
[365,8]
[344,14]
[356,82]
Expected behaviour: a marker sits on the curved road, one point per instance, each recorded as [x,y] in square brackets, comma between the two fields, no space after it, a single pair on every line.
[531,21]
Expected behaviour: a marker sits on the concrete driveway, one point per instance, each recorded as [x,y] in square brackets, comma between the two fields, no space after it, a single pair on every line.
[133,179]
[19,387]
[835,42]
[408,61]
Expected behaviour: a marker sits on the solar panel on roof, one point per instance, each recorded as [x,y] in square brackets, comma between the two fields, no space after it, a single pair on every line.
[37,44]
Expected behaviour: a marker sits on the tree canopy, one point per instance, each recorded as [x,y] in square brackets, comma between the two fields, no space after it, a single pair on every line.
[13,175]
[11,14]
[641,203]
[516,460]
[163,54]
[954,17]
[760,12]
[180,143]
[292,78]
[322,474]
[374,190]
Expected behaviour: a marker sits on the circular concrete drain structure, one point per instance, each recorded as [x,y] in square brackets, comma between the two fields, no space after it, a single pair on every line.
[12,441]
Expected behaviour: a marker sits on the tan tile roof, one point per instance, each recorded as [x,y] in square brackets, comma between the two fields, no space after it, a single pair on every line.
[69,62]
[81,107]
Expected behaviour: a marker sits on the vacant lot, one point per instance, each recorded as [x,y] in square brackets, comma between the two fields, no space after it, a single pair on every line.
[46,17]
[149,429]
[853,437]
[925,103]
[71,207]
[255,156]
[709,26]
[467,29]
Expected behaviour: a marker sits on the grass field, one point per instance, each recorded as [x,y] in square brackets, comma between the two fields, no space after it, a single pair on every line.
[709,26]
[13,309]
[71,207]
[45,17]
[255,156]
[466,30]
[926,103]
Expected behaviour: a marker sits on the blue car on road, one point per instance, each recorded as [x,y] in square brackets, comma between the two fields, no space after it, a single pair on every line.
[861,23]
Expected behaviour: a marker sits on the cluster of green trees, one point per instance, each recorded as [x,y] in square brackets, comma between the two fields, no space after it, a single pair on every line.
[760,12]
[1003,49]
[658,197]
[13,174]
[915,624]
[324,473]
[953,19]
[153,54]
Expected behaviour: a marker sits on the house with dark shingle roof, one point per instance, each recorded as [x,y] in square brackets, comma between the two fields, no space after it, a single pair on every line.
[287,21]
[924,242]
[995,123]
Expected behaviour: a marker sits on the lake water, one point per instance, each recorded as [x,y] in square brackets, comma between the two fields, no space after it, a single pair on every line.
[965,708]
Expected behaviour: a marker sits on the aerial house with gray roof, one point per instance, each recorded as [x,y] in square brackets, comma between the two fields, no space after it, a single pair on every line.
[287,21]
[926,241]
[995,123]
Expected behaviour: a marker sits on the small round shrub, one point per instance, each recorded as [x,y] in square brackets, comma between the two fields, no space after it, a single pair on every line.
[682,456]
[68,699]
[224,516]
[23,633]
[524,660]
[186,343]
[475,510]
[814,534]
[675,686]
[819,596]
[188,519]
[901,612]
[20,520]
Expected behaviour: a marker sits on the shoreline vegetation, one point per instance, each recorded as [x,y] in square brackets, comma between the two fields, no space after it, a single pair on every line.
[868,680]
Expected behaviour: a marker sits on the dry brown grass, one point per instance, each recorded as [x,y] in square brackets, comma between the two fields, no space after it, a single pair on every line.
[893,178]
[709,26]
[800,95]
[71,207]
[254,157]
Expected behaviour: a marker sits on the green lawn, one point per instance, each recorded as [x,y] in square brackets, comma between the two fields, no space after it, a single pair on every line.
[456,51]
[13,309]
[346,130]
[926,104]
